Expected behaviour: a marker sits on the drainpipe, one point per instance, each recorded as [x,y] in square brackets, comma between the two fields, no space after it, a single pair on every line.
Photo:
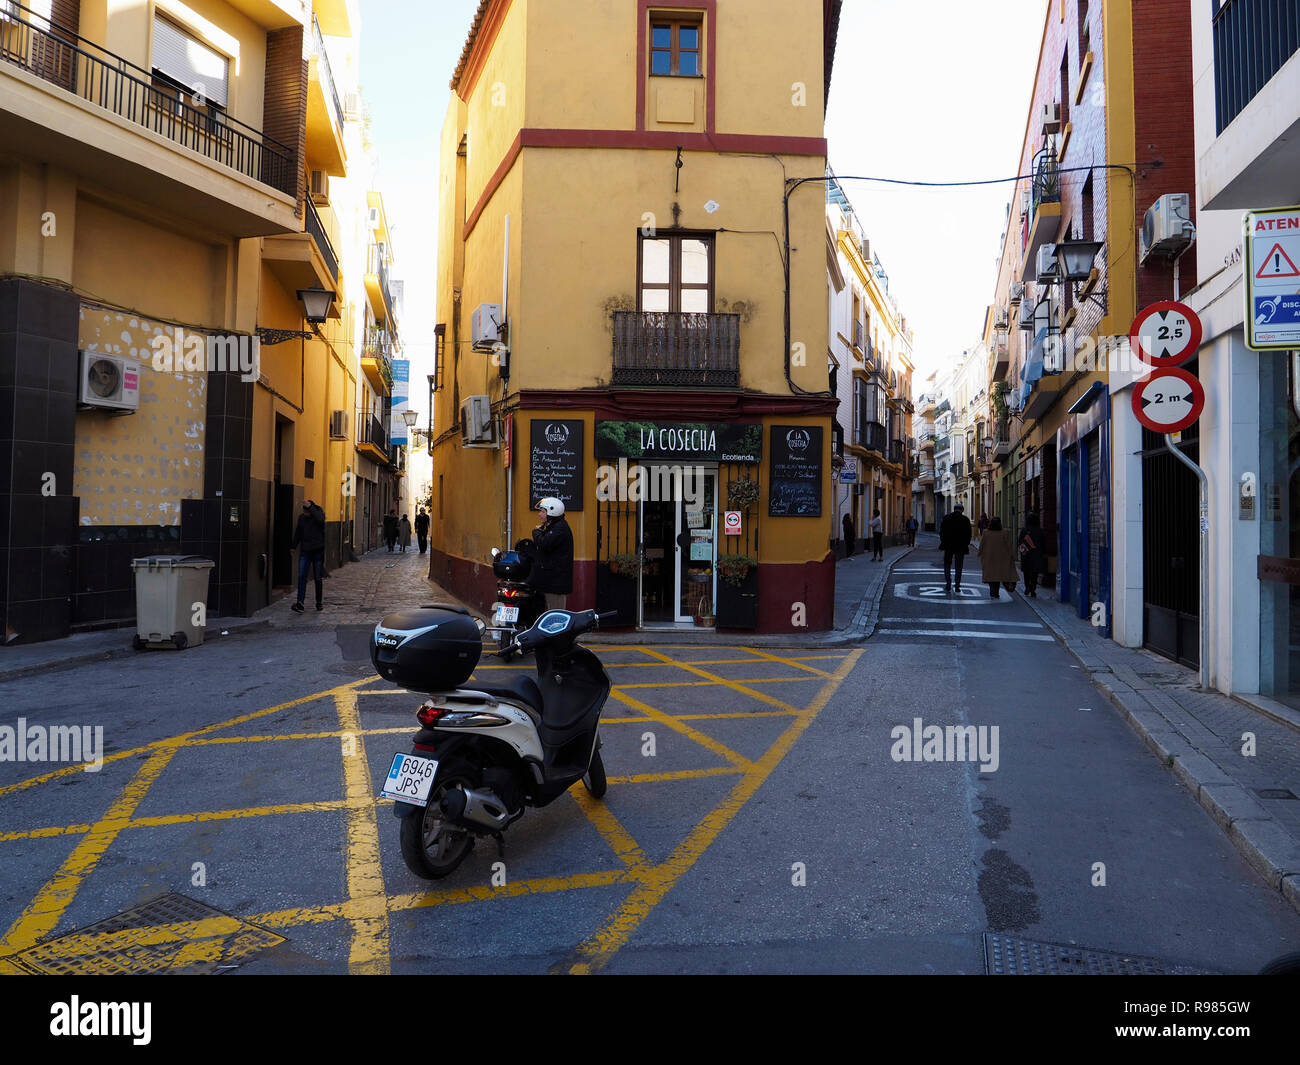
[1205,558]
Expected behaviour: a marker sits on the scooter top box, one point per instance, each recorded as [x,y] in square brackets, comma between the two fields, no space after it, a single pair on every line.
[426,649]
[511,566]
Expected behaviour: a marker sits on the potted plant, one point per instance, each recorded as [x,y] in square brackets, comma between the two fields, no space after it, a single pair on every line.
[735,568]
[742,494]
[625,565]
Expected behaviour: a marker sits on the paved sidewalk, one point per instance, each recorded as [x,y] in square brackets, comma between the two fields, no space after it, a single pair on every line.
[1202,736]
[361,593]
[355,594]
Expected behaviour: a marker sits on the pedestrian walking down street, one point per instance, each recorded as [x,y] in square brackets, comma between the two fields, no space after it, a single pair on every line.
[877,527]
[309,539]
[390,528]
[1030,545]
[912,525]
[850,535]
[422,530]
[404,532]
[552,572]
[954,540]
[997,559]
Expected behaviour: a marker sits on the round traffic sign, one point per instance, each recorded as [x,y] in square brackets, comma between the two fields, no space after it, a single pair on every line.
[1168,400]
[731,523]
[1165,333]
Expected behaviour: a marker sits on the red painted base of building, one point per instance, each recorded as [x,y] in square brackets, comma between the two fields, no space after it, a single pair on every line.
[787,594]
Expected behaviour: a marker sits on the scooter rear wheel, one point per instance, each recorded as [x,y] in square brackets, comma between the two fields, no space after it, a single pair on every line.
[431,847]
[504,640]
[594,780]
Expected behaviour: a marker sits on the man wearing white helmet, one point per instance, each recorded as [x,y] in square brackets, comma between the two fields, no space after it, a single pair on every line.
[553,567]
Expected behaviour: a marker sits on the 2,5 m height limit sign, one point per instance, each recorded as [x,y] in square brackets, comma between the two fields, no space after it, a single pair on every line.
[1272,245]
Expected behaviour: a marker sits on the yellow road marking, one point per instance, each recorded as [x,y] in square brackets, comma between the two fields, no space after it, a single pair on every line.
[715,683]
[368,952]
[45,833]
[619,839]
[595,952]
[671,722]
[788,662]
[43,913]
[733,685]
[676,774]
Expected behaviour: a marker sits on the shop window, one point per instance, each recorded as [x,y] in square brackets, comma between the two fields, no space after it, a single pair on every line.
[676,274]
[676,47]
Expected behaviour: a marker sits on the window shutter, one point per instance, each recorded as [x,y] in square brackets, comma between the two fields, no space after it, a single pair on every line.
[189,61]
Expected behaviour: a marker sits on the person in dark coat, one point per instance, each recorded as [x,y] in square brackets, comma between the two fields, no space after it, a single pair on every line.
[390,528]
[911,531]
[997,559]
[422,530]
[552,571]
[309,539]
[954,541]
[1032,545]
[850,535]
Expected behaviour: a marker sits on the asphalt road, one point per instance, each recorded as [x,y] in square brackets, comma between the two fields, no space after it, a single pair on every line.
[757,818]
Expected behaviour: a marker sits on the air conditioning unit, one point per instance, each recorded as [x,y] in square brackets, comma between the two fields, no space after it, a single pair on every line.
[352,105]
[1051,118]
[109,382]
[1016,294]
[485,326]
[1026,201]
[320,187]
[1167,229]
[1000,317]
[373,219]
[477,428]
[1027,315]
[338,425]
[1046,266]
[866,251]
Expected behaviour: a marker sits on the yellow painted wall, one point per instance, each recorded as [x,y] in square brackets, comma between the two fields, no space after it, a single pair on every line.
[495,112]
[134,469]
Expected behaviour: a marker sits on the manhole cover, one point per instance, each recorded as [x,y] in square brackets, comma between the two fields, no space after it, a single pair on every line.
[1005,956]
[171,934]
[1275,793]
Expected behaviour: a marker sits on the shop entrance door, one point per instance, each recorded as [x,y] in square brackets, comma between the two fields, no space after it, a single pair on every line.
[679,540]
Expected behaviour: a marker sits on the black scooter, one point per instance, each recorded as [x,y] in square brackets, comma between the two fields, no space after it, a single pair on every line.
[518,604]
[485,754]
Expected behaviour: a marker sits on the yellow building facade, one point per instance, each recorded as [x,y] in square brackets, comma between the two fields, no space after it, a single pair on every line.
[160,390]
[613,292]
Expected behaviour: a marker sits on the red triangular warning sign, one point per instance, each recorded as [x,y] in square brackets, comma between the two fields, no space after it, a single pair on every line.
[1277,263]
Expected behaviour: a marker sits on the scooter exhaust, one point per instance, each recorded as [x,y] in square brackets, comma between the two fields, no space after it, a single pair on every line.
[480,809]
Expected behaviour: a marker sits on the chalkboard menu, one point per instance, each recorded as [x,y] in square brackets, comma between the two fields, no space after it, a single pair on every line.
[795,472]
[555,462]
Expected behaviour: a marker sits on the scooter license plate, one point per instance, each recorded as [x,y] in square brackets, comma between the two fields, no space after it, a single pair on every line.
[507,613]
[409,779]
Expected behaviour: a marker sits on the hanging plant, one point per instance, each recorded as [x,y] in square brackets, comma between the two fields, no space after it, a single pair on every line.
[742,494]
[626,565]
[735,568]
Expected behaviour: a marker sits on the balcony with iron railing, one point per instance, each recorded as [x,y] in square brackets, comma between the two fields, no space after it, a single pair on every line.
[941,445]
[665,349]
[31,42]
[1253,40]
[872,435]
[898,452]
[958,470]
[371,437]
[377,286]
[312,224]
[1044,207]
[324,110]
[377,361]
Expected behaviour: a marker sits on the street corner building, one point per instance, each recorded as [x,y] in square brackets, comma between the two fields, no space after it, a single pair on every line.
[633,306]
[189,273]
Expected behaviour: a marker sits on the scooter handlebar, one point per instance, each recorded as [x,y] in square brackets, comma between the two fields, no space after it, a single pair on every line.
[607,615]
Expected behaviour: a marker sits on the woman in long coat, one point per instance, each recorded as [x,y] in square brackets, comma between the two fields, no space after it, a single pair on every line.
[997,559]
[405,532]
[1031,560]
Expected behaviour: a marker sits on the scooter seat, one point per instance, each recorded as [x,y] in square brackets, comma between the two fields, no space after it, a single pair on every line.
[520,689]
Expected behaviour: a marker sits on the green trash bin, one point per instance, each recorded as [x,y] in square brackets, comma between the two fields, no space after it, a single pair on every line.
[168,590]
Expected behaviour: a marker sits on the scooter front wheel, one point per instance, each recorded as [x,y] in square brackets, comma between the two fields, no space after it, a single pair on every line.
[594,780]
[432,847]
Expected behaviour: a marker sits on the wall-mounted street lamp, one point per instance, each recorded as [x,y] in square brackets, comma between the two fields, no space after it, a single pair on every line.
[1074,258]
[316,306]
[410,417]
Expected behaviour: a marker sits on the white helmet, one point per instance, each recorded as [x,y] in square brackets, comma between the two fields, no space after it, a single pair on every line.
[551,506]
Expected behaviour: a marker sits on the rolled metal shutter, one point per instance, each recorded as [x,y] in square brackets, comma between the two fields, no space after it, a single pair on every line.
[189,61]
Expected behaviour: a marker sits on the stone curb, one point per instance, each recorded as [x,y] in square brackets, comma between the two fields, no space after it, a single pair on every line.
[1259,837]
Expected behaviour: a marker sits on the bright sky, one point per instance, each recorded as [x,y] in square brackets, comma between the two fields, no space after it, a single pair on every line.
[923,92]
